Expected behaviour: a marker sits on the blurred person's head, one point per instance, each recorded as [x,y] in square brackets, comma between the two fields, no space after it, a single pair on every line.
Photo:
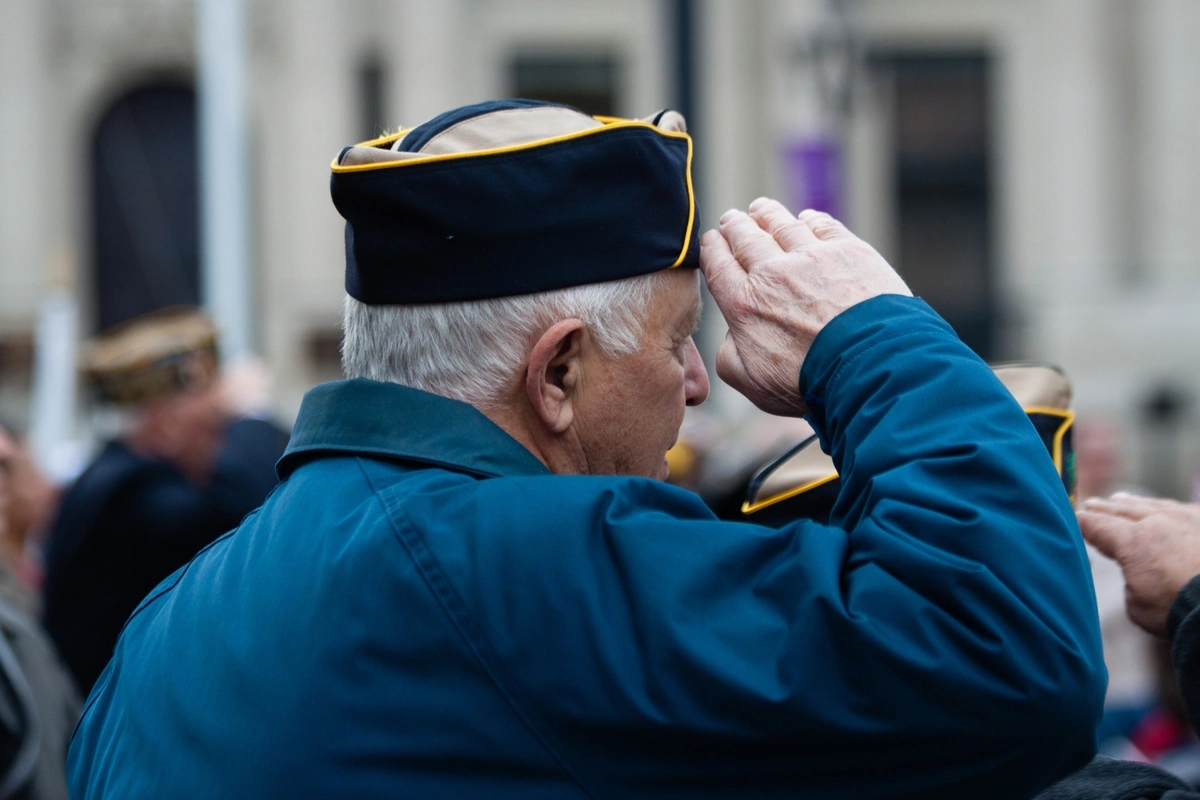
[542,291]
[159,371]
[30,498]
[1098,456]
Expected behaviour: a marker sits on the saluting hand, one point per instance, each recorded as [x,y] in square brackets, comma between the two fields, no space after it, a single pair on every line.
[1157,544]
[778,281]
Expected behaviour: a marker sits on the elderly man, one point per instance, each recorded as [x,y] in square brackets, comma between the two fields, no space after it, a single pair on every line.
[471,583]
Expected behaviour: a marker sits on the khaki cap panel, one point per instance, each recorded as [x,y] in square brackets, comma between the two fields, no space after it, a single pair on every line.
[507,128]
[1036,385]
[165,351]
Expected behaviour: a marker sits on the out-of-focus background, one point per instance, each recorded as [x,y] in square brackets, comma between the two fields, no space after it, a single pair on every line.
[1032,167]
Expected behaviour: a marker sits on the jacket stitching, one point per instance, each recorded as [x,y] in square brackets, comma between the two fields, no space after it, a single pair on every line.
[456,610]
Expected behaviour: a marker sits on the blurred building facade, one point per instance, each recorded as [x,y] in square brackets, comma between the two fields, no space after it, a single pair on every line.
[1031,166]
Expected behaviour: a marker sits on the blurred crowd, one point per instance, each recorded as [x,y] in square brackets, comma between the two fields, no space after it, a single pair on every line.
[192,451]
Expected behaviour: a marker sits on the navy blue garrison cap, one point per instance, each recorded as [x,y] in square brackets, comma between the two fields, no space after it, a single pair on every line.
[512,197]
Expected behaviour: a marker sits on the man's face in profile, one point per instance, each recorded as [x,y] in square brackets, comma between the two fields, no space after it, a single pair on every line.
[630,407]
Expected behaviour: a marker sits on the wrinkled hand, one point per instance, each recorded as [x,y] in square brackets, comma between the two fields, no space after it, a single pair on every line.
[778,281]
[1157,544]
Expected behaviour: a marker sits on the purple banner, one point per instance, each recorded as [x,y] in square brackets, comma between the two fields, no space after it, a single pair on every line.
[813,175]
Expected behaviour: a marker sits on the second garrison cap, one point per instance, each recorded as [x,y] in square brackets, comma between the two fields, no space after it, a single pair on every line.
[513,197]
[166,351]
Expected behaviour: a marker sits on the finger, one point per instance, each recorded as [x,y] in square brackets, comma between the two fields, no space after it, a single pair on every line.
[791,233]
[1108,508]
[751,245]
[824,226]
[1128,506]
[1108,534]
[1150,503]
[722,272]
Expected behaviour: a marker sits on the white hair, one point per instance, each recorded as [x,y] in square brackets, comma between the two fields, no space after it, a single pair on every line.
[474,351]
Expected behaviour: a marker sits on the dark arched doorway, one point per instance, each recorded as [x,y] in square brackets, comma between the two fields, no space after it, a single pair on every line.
[145,204]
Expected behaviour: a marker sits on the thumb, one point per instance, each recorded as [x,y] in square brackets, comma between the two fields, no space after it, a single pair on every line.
[1108,534]
[722,272]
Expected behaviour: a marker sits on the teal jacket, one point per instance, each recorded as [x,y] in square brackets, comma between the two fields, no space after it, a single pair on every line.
[421,610]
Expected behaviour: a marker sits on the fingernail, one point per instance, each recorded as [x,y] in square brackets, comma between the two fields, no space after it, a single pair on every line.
[758,203]
[728,215]
[707,238]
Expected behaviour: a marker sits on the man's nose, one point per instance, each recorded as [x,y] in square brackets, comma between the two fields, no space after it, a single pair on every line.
[695,376]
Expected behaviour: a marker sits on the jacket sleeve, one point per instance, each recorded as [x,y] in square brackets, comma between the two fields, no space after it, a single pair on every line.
[938,639]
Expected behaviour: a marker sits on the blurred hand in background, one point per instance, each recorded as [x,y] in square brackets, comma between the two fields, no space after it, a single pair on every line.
[1157,544]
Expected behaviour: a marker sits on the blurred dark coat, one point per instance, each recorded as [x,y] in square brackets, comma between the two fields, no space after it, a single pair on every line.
[128,522]
[39,704]
[422,610]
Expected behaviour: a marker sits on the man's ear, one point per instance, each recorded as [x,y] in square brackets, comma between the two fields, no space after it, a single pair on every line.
[553,374]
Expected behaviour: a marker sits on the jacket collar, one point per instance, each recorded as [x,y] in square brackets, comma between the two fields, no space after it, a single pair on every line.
[389,421]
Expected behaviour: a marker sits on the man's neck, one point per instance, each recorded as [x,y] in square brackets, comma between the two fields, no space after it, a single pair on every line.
[552,452]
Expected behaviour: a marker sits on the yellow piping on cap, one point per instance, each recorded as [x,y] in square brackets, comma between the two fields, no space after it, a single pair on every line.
[750,508]
[1056,453]
[610,123]
[387,138]
[687,234]
[512,148]
[495,151]
[1068,417]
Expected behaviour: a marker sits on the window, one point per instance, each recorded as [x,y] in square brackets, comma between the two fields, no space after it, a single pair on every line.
[942,178]
[145,223]
[585,82]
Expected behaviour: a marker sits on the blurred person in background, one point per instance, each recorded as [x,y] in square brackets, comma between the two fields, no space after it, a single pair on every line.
[474,581]
[39,703]
[732,462]
[195,455]
[1099,456]
[32,499]
[1157,544]
[1133,675]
